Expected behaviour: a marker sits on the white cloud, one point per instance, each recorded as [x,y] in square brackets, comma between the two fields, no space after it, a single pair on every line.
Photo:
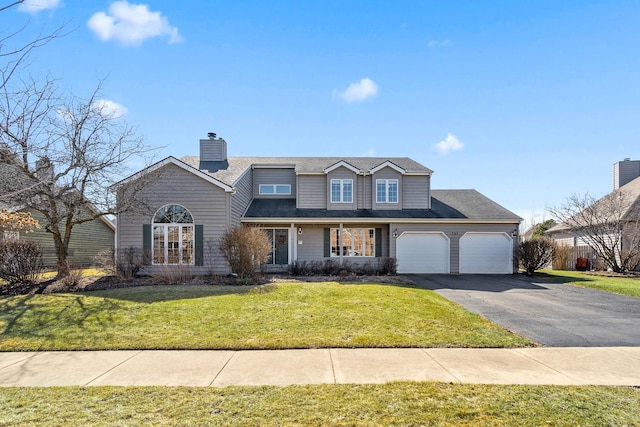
[35,6]
[450,143]
[109,109]
[359,91]
[439,43]
[131,24]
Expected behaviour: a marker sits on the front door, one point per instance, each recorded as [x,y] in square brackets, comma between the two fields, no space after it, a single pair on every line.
[279,246]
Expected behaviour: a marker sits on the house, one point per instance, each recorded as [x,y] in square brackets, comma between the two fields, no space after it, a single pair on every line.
[314,208]
[87,239]
[614,221]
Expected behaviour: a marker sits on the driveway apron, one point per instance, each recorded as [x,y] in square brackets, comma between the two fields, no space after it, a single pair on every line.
[551,314]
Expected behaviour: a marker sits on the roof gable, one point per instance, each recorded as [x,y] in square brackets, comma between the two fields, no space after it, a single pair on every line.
[173,161]
[388,164]
[343,164]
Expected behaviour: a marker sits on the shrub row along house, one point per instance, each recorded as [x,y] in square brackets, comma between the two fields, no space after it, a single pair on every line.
[359,210]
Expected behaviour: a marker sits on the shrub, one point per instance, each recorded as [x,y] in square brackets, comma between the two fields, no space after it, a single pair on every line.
[20,261]
[106,260]
[535,254]
[246,249]
[173,275]
[560,258]
[333,267]
[129,262]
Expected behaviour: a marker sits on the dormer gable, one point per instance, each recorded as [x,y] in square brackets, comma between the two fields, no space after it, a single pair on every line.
[387,164]
[341,163]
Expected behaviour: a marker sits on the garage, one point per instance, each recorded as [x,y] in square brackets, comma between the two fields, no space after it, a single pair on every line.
[421,252]
[486,253]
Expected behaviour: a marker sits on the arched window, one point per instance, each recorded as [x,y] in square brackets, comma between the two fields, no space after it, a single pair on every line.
[173,236]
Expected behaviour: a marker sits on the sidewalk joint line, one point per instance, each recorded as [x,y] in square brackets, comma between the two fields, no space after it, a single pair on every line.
[333,370]
[425,350]
[546,365]
[114,367]
[22,360]
[223,367]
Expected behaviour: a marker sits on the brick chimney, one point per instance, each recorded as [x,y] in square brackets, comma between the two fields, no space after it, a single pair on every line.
[213,149]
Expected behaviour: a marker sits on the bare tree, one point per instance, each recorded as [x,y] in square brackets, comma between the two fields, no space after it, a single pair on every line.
[14,58]
[610,226]
[58,154]
[246,249]
[535,254]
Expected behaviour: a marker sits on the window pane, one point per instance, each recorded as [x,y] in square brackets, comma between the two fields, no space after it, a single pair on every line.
[335,190]
[173,244]
[381,191]
[370,242]
[347,191]
[335,242]
[158,245]
[283,189]
[187,245]
[266,189]
[393,191]
[172,214]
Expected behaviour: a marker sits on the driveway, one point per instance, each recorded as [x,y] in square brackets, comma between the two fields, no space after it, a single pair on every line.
[551,314]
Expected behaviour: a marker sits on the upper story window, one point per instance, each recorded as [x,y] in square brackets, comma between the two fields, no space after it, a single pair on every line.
[11,235]
[386,191]
[275,189]
[173,236]
[341,191]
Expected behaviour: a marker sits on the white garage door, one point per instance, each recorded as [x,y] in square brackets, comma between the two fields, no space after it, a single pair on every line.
[422,253]
[486,253]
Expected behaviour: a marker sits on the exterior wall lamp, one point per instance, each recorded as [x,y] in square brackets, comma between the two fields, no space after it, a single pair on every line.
[395,233]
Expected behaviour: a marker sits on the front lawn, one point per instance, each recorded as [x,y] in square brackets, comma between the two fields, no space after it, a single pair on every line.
[620,285]
[272,316]
[324,405]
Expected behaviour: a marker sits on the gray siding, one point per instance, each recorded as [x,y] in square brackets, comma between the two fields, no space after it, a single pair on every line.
[87,240]
[213,150]
[209,205]
[312,192]
[454,232]
[387,173]
[274,176]
[341,173]
[415,192]
[242,197]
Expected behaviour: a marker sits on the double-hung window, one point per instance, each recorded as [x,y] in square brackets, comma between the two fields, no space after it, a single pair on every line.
[341,191]
[173,236]
[386,191]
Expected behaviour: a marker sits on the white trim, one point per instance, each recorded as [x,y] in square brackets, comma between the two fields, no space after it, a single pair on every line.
[325,220]
[343,164]
[172,160]
[389,164]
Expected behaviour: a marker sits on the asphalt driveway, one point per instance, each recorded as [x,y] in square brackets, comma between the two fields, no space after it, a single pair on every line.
[551,314]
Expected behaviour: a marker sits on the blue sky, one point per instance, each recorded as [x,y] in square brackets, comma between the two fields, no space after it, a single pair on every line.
[525,101]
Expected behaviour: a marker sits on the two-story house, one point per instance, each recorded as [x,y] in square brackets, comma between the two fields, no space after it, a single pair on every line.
[315,208]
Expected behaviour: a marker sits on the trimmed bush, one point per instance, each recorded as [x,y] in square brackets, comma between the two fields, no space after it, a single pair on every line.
[246,249]
[535,254]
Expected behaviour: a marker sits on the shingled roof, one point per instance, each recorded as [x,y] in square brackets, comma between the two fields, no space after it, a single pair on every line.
[229,171]
[445,204]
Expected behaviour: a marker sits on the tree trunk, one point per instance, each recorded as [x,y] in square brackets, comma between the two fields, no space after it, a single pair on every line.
[62,265]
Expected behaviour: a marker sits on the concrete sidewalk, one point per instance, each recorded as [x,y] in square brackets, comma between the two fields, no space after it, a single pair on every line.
[561,366]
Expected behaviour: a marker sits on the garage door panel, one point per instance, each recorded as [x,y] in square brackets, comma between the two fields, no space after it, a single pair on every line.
[486,253]
[422,253]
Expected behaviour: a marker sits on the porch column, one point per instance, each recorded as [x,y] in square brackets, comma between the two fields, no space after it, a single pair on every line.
[341,245]
[293,244]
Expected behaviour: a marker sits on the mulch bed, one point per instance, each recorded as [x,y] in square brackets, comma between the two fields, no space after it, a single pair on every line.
[84,284]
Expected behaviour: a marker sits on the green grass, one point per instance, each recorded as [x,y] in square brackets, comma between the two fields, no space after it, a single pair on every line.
[273,316]
[619,285]
[326,405]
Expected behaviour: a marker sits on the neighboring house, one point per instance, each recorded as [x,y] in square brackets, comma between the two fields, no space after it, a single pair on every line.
[626,187]
[315,208]
[87,239]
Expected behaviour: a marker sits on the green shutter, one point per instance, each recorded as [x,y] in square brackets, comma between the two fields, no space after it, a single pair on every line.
[327,242]
[146,242]
[199,242]
[378,242]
